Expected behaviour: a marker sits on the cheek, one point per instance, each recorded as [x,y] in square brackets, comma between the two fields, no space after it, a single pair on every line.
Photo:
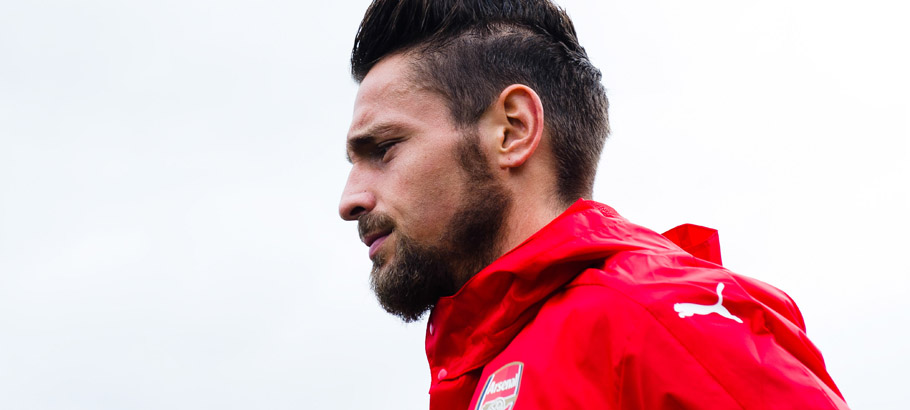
[429,196]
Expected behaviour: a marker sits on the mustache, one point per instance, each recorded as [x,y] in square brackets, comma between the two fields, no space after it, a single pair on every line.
[373,223]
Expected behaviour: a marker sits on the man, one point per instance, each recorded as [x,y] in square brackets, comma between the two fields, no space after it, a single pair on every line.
[477,127]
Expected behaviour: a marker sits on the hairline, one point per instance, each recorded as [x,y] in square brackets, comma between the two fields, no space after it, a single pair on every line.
[420,77]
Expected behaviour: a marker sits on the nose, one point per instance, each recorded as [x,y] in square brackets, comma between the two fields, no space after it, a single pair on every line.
[356,199]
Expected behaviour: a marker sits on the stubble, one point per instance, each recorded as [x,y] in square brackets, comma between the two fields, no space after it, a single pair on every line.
[411,282]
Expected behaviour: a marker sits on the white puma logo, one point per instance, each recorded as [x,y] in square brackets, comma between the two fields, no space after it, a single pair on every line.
[690,309]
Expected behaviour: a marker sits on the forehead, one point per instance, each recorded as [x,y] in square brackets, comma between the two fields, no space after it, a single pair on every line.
[389,97]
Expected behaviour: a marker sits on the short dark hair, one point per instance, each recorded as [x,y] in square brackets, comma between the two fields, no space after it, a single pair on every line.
[470,50]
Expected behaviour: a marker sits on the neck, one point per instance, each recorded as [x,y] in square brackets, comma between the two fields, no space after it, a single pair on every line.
[519,219]
[525,219]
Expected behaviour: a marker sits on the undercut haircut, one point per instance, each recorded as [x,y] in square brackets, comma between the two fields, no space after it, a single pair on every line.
[468,51]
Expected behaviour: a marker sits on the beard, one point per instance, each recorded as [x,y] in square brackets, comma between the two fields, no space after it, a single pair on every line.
[409,284]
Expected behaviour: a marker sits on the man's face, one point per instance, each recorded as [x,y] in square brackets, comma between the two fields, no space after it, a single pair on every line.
[421,190]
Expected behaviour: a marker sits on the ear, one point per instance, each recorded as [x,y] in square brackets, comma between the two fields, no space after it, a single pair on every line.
[516,118]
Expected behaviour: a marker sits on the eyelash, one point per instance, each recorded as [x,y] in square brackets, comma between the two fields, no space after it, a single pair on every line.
[383,148]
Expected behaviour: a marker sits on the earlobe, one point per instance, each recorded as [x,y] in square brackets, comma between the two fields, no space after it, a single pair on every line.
[520,125]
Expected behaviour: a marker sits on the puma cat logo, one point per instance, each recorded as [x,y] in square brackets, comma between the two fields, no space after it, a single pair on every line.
[691,309]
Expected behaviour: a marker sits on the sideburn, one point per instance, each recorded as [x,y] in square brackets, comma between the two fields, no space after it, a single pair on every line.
[476,228]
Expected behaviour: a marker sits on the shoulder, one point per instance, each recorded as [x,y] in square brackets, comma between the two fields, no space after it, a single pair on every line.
[673,327]
[662,283]
[597,335]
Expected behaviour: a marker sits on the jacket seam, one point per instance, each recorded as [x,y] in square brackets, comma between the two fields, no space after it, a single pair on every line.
[819,384]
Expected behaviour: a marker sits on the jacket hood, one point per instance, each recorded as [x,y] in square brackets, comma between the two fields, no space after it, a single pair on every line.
[469,328]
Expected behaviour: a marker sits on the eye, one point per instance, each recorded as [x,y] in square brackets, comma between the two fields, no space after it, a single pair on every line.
[383,148]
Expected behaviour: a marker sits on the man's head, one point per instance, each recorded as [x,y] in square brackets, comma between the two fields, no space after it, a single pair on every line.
[473,123]
[470,50]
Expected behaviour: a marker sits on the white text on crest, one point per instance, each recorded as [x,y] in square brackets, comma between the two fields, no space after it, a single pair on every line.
[503,385]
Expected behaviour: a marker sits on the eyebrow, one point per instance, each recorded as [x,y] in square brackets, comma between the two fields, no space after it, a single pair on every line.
[358,144]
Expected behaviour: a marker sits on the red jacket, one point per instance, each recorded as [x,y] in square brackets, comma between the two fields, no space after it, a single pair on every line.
[594,312]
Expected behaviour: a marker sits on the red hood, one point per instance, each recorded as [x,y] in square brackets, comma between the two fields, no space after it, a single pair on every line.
[476,325]
[484,316]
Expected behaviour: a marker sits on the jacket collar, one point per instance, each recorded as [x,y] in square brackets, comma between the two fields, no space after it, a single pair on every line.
[468,329]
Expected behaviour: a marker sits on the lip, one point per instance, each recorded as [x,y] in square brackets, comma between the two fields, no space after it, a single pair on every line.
[376,244]
[374,240]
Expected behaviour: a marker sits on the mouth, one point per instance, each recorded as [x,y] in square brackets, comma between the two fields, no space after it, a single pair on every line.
[375,240]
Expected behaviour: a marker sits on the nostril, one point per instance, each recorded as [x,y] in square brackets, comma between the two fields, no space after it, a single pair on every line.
[356,211]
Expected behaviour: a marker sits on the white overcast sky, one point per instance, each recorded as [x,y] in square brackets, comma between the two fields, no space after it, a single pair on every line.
[170,172]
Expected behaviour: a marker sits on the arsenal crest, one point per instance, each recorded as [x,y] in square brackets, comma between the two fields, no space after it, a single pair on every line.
[501,389]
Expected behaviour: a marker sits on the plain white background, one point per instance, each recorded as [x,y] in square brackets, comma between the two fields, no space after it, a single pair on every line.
[170,173]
